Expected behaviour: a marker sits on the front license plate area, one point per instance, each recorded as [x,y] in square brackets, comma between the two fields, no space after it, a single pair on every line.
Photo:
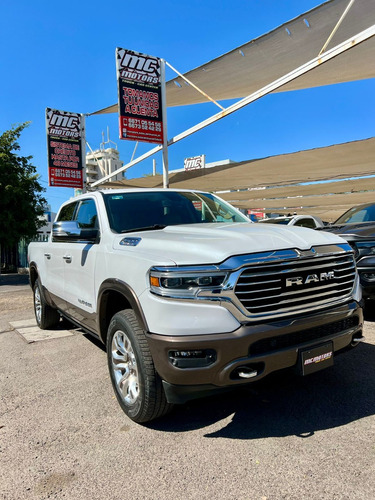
[317,358]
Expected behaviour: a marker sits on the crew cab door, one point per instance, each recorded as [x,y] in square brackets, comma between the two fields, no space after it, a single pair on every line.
[53,280]
[79,267]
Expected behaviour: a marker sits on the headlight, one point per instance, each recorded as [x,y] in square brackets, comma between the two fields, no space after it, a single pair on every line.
[178,283]
[363,248]
[368,277]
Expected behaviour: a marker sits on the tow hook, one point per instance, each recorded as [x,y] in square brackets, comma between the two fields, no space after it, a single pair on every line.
[356,339]
[246,372]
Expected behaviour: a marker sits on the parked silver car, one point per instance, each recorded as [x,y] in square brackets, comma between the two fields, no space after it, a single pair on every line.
[310,221]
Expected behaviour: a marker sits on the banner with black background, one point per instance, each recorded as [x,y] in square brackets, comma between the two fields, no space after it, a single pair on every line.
[139,95]
[66,147]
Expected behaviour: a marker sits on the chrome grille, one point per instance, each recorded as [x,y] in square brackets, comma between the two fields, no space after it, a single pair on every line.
[297,284]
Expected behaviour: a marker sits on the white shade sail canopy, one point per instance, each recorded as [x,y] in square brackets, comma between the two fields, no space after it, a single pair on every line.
[323,181]
[253,65]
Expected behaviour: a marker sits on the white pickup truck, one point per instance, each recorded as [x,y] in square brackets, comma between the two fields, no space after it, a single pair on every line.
[190,297]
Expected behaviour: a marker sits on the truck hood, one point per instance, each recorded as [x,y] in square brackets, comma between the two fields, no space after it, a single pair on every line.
[213,243]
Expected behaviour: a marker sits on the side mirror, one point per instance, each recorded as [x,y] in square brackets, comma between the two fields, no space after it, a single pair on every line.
[70,231]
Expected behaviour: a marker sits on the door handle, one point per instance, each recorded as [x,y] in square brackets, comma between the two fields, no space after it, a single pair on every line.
[67,258]
[48,255]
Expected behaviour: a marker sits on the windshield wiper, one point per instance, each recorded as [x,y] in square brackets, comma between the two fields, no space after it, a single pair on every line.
[145,228]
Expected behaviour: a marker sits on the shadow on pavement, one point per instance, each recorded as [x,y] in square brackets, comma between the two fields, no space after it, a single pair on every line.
[285,404]
[14,279]
[369,310]
[95,341]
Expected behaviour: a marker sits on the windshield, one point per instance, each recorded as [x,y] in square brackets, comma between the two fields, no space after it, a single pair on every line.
[358,214]
[158,209]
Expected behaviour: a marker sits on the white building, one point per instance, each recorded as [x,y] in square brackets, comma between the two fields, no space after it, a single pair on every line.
[102,162]
[48,217]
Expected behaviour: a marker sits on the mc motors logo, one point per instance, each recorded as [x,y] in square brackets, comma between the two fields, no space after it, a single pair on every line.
[194,162]
[310,278]
[139,67]
[63,124]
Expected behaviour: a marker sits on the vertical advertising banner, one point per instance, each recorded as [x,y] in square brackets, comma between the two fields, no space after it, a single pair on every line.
[139,96]
[66,147]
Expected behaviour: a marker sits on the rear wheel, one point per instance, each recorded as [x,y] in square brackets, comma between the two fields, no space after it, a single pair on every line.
[137,386]
[45,315]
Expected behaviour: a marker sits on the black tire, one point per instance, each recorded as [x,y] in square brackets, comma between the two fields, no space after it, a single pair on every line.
[137,385]
[45,315]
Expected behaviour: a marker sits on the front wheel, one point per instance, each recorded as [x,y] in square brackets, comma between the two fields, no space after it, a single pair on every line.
[45,315]
[137,386]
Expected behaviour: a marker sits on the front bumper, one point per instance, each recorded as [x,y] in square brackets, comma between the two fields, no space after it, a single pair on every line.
[262,348]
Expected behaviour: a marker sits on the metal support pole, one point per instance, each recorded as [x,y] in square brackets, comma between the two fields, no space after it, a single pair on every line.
[164,118]
[135,149]
[194,86]
[337,26]
[83,153]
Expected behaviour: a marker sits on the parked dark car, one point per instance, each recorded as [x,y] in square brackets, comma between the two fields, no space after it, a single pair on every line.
[357,226]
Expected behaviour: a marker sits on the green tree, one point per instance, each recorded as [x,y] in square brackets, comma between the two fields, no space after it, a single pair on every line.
[21,196]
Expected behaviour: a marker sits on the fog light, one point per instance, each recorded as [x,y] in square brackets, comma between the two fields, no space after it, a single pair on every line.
[192,358]
[187,354]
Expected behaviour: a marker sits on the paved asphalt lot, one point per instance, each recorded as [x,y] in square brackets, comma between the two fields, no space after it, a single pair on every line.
[63,435]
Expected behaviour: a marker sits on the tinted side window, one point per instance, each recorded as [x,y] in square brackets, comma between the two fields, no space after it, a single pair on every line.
[306,223]
[67,212]
[87,216]
[364,215]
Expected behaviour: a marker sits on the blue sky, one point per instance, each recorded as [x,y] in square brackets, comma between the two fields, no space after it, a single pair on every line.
[62,55]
